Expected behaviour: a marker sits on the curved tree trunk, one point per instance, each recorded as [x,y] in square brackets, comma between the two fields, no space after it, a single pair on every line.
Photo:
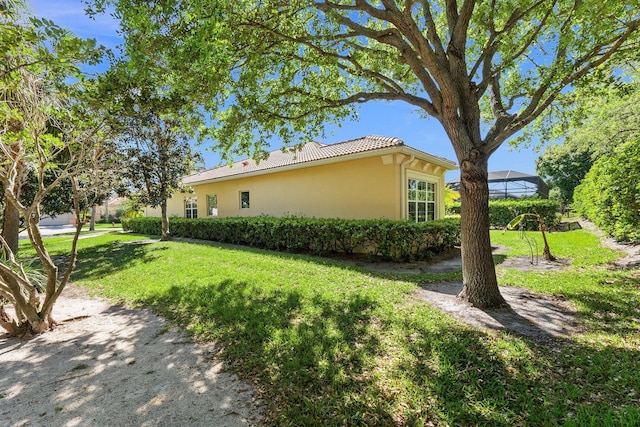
[547,252]
[165,221]
[478,270]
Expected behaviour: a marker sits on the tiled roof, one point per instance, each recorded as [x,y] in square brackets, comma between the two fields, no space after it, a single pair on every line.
[311,151]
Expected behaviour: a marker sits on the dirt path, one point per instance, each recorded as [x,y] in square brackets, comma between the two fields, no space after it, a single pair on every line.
[117,367]
[529,314]
[631,260]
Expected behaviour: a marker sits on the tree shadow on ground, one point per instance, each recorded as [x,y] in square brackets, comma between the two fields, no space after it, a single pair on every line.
[116,367]
[310,353]
[527,314]
[474,382]
[618,312]
[320,359]
[96,262]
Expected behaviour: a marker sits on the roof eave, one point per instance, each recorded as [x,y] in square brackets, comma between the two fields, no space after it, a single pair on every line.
[438,161]
[446,164]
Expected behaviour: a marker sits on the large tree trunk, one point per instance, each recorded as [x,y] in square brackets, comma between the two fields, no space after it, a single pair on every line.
[11,226]
[478,270]
[165,221]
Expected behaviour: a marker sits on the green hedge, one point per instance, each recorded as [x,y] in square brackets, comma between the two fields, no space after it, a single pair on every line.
[609,195]
[400,240]
[501,212]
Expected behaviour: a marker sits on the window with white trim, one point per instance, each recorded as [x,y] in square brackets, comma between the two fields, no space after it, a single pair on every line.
[212,204]
[244,200]
[421,200]
[191,207]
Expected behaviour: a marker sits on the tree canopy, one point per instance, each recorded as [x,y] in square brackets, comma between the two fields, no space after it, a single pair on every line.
[484,69]
[564,166]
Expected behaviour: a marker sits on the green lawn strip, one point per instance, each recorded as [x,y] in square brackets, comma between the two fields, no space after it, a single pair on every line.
[581,247]
[107,225]
[327,343]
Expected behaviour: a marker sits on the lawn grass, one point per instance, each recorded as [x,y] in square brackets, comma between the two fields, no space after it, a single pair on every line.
[581,247]
[327,343]
[103,225]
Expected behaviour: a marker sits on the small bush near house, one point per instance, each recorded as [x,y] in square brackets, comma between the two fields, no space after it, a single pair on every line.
[609,195]
[400,240]
[501,212]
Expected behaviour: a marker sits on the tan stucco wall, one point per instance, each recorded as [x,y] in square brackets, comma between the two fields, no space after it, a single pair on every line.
[366,188]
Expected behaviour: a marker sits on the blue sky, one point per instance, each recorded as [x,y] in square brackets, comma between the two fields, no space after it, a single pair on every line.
[395,119]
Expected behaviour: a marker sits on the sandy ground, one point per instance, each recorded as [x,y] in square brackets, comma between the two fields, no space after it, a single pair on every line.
[529,314]
[117,367]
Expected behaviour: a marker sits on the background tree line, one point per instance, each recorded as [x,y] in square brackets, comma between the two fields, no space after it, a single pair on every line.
[596,167]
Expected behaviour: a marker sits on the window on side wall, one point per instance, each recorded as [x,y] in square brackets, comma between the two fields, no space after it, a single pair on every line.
[191,207]
[244,200]
[421,200]
[212,205]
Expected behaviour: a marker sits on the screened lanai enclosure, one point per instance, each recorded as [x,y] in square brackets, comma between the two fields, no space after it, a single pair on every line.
[511,184]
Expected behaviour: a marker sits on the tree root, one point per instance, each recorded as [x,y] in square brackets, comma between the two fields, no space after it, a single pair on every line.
[8,324]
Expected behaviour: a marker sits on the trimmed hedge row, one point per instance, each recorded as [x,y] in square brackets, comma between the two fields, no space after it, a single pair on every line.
[399,240]
[501,212]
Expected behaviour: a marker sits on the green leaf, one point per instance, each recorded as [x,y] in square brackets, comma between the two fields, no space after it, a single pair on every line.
[515,221]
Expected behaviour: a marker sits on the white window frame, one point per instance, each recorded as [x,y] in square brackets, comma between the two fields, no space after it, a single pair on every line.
[242,206]
[430,181]
[212,210]
[191,207]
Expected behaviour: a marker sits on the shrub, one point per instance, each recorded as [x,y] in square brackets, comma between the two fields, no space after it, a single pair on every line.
[152,226]
[610,193]
[399,240]
[501,212]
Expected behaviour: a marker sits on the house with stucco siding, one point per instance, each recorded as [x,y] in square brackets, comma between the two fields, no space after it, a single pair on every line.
[366,178]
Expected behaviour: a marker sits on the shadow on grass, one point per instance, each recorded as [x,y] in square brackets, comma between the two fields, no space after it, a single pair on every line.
[322,361]
[499,258]
[99,261]
[311,354]
[612,311]
[469,385]
[473,382]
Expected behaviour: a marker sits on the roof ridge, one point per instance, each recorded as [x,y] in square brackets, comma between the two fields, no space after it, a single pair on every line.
[375,137]
[249,158]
